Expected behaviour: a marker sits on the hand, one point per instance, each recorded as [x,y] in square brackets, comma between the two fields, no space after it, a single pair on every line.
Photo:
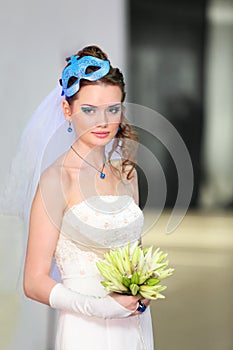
[130,302]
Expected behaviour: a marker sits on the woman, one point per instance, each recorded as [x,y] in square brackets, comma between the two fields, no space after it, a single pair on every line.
[84,205]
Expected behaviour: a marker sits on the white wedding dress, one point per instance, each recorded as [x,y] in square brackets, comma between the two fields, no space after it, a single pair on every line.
[88,230]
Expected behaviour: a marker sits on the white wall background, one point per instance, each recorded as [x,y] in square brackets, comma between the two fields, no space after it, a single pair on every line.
[35,38]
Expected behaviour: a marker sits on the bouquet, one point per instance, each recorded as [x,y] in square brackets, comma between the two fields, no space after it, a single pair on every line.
[136,271]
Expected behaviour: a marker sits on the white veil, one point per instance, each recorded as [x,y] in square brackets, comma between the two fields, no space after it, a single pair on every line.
[44,139]
[46,122]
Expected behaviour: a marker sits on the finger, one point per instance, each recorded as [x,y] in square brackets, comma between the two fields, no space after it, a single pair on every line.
[146,301]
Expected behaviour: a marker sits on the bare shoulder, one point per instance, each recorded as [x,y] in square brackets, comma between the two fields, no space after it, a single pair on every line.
[51,177]
[55,175]
[132,176]
[53,184]
[129,176]
[134,184]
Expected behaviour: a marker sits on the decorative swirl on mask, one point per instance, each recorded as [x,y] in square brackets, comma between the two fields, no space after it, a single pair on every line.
[77,68]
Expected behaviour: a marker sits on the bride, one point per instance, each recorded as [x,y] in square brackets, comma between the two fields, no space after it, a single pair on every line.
[85,204]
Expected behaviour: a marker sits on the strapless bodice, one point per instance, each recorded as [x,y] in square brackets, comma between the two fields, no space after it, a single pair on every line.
[88,230]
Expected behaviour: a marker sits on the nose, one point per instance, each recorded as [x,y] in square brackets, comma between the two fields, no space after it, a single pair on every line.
[102,119]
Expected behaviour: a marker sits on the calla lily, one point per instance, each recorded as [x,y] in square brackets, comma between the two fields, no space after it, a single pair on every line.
[135,270]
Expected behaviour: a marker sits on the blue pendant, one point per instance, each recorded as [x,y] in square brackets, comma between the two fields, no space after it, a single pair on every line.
[102,175]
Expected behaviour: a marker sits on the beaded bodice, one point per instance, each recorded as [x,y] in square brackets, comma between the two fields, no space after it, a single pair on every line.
[88,230]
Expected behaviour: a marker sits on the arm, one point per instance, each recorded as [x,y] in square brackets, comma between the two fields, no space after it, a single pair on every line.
[45,222]
[42,240]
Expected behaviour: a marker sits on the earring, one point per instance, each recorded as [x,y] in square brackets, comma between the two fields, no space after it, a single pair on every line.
[69,128]
[119,128]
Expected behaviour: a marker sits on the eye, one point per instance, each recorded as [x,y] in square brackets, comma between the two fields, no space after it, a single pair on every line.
[114,109]
[88,110]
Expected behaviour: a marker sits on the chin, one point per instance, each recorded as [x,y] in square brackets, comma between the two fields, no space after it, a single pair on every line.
[97,143]
[102,140]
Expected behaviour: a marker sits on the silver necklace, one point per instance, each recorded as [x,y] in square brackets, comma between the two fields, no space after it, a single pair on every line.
[102,174]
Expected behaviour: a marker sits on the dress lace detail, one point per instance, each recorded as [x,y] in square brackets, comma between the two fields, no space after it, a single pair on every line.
[72,261]
[89,229]
[93,226]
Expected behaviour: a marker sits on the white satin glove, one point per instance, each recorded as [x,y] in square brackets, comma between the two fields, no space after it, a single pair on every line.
[63,298]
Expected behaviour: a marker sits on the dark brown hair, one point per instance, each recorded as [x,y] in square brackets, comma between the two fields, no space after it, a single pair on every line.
[126,139]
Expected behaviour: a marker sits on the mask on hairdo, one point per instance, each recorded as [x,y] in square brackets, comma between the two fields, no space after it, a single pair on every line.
[77,68]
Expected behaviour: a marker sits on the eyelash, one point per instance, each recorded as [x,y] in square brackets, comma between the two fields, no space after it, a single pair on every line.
[114,110]
[88,110]
[91,110]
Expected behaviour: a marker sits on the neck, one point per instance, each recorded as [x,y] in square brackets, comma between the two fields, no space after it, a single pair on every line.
[93,154]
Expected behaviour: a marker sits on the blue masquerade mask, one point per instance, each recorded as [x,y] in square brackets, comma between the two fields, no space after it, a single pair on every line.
[77,68]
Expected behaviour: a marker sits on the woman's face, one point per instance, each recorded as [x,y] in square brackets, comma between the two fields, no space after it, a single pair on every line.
[96,113]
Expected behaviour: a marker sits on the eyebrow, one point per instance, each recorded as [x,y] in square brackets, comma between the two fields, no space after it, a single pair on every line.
[93,106]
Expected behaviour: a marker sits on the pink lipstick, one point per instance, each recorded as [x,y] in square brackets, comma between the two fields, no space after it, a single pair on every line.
[101,134]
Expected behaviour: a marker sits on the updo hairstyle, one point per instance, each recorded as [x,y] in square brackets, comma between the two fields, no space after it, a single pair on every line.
[126,139]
